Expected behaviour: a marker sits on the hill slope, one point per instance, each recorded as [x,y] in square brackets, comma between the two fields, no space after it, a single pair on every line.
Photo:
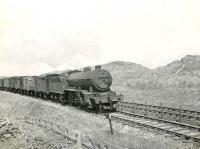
[124,72]
[184,73]
[177,83]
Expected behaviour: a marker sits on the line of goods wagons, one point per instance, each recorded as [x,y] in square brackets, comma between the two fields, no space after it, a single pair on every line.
[88,88]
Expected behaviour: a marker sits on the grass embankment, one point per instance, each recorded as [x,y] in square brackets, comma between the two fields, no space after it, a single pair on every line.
[93,125]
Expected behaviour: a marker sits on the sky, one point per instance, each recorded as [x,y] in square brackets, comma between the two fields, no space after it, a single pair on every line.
[38,36]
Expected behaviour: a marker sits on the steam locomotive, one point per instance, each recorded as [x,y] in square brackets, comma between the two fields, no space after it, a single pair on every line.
[87,88]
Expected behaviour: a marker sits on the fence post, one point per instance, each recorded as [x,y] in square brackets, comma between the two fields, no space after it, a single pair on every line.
[26,121]
[78,140]
[161,110]
[110,122]
[179,113]
[145,108]
[133,107]
[105,147]
[120,107]
[117,108]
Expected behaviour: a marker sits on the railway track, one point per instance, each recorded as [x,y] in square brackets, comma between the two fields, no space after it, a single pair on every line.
[176,128]
[161,111]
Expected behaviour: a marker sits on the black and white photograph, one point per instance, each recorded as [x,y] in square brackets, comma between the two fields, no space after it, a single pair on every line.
[99,74]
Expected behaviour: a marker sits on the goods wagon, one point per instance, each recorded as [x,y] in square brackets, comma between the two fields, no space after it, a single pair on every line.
[12,84]
[29,85]
[54,86]
[54,83]
[18,84]
[6,82]
[1,84]
[41,86]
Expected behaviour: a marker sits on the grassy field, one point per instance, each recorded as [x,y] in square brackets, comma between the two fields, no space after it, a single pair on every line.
[188,98]
[96,126]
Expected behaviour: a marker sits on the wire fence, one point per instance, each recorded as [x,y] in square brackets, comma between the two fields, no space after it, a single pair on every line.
[80,140]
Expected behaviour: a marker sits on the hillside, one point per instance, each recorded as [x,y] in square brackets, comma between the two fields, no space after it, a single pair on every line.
[124,72]
[189,63]
[177,83]
[184,73]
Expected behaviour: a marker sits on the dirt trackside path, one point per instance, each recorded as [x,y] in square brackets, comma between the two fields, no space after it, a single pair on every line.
[15,105]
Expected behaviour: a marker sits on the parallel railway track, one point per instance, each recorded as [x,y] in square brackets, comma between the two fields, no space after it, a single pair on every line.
[161,110]
[171,127]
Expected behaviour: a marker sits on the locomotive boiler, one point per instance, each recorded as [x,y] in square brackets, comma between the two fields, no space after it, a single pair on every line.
[98,80]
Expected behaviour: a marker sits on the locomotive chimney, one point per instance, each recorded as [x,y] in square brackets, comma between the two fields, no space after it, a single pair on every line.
[97,67]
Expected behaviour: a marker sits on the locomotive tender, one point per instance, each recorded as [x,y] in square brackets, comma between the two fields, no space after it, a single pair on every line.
[87,88]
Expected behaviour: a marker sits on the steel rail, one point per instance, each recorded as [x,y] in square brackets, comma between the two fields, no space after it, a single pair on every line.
[163,107]
[160,109]
[162,120]
[149,122]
